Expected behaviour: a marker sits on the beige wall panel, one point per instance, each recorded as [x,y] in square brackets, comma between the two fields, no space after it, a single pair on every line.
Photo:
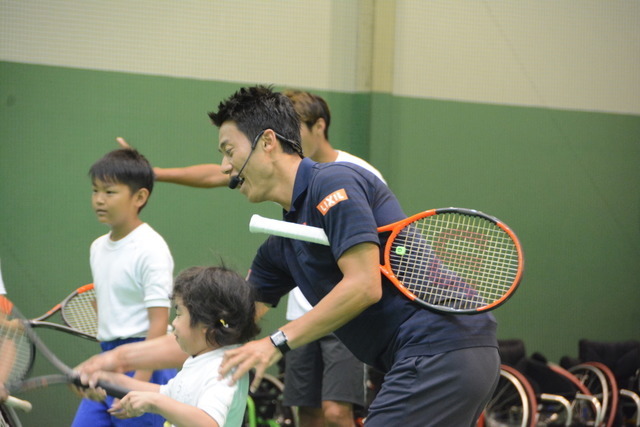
[311,44]
[582,55]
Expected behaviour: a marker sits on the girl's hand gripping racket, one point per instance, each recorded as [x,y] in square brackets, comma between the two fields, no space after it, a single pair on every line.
[78,311]
[449,260]
[18,343]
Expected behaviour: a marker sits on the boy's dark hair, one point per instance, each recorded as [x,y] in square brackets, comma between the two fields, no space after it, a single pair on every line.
[257,108]
[221,300]
[124,166]
[310,108]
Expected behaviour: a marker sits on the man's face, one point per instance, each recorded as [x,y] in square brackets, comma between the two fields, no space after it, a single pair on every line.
[235,148]
[309,145]
[312,138]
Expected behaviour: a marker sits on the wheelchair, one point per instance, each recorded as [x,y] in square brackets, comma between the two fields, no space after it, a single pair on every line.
[611,370]
[264,406]
[513,403]
[533,392]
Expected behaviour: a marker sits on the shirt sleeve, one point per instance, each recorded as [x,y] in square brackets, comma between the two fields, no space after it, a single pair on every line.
[344,200]
[215,398]
[269,274]
[157,275]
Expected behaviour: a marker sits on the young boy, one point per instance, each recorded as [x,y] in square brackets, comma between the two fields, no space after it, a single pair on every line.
[215,311]
[132,272]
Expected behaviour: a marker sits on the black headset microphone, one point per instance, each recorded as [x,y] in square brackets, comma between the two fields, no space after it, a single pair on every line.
[235,179]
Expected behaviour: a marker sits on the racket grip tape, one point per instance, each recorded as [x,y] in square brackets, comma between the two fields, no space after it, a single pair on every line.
[112,390]
[14,402]
[259,224]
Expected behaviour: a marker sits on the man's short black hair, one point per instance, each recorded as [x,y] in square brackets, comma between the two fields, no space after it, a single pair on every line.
[257,108]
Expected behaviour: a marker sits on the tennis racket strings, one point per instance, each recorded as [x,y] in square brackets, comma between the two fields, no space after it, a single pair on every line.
[79,312]
[17,353]
[455,260]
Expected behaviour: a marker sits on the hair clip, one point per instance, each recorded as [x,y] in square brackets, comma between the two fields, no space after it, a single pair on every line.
[225,324]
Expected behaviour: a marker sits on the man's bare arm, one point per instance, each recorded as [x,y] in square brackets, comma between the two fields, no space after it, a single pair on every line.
[202,176]
[158,353]
[207,175]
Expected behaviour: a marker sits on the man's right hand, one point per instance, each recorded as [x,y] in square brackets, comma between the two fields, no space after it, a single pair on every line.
[87,370]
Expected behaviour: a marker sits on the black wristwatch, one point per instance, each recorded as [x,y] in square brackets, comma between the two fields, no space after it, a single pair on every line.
[279,339]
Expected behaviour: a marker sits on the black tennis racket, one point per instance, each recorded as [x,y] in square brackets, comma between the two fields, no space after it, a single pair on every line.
[18,344]
[78,311]
[449,260]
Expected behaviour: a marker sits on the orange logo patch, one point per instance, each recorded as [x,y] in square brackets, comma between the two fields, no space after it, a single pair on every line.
[331,200]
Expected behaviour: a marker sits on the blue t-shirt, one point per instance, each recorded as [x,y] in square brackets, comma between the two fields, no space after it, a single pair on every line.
[350,203]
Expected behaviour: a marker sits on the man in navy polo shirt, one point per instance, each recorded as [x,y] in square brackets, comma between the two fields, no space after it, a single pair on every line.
[440,369]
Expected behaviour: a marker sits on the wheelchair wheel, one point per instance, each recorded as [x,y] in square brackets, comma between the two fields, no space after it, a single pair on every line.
[265,408]
[602,384]
[513,403]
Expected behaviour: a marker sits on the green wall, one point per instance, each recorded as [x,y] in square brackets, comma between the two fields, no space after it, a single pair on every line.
[567,183]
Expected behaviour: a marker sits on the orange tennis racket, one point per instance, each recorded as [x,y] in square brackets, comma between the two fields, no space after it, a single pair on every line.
[450,260]
[78,311]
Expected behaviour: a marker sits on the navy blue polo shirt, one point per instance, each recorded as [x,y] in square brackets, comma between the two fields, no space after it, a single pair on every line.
[350,203]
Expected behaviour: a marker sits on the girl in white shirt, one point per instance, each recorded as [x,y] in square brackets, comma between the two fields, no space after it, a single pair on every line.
[215,311]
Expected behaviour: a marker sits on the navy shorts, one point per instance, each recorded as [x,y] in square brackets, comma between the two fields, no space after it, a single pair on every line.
[448,389]
[323,370]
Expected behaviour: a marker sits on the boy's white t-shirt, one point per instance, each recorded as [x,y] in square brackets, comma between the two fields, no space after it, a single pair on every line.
[297,304]
[197,384]
[130,276]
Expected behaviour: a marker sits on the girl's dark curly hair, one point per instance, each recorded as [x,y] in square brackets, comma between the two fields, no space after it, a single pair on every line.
[221,300]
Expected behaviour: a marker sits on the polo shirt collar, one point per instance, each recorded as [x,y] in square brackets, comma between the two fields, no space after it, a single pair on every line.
[303,175]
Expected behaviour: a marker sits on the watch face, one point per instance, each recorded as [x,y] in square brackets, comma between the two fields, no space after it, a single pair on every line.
[278,338]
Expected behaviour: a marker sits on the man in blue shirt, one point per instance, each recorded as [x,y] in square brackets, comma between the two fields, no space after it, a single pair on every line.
[440,369]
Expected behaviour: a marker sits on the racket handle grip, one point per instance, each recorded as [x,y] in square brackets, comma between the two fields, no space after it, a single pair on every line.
[260,224]
[112,390]
[20,404]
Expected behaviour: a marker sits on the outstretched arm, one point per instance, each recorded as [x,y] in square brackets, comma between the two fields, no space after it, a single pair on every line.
[207,175]
[202,176]
[158,353]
